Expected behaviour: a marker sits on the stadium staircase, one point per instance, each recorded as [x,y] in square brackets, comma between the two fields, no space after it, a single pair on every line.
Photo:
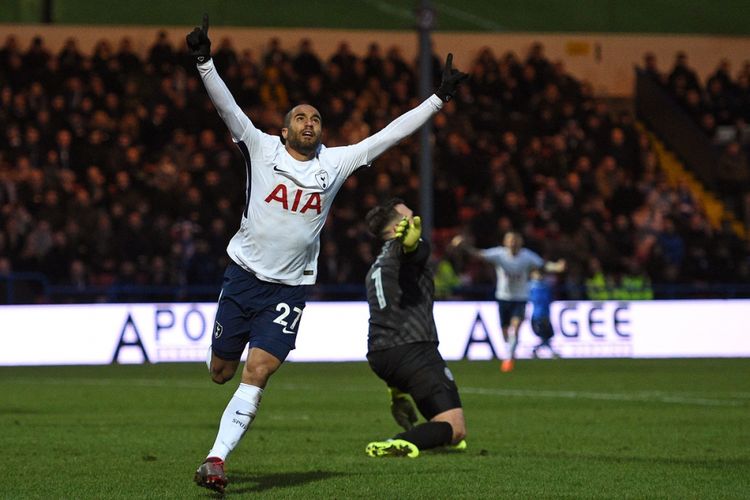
[683,149]
[676,174]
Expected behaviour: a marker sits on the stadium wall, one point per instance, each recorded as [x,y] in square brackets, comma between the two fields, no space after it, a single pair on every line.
[137,333]
[605,60]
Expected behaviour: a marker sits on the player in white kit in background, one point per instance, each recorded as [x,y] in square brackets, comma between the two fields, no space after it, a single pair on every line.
[513,263]
[291,183]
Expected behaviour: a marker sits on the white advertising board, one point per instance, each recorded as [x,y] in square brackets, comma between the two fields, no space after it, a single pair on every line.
[337,331]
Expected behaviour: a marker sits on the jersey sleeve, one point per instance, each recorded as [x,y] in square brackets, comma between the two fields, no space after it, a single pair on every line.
[364,152]
[493,255]
[240,126]
[535,259]
[419,256]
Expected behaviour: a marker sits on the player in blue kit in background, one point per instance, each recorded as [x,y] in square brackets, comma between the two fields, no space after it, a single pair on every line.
[291,183]
[540,296]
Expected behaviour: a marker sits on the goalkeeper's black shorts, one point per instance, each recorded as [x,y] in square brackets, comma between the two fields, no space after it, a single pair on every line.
[419,370]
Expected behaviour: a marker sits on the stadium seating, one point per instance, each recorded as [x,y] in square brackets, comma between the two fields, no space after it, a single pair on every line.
[118,180]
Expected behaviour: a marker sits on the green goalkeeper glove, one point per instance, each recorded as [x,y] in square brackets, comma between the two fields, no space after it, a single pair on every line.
[409,232]
[402,409]
[198,42]
[450,81]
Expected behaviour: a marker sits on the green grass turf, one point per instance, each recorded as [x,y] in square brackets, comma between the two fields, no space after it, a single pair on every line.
[551,429]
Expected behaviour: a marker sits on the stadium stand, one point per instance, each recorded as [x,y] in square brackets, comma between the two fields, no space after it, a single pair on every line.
[705,124]
[117,179]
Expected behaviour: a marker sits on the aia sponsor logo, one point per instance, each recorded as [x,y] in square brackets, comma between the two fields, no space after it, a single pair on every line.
[296,200]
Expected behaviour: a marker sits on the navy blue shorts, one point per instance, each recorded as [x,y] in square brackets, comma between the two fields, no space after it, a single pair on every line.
[542,327]
[255,312]
[511,309]
[419,370]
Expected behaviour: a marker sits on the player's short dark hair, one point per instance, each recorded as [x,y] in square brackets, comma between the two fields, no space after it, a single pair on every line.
[288,118]
[378,218]
[286,124]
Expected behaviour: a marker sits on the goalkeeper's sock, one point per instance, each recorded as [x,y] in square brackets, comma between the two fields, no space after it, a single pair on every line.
[428,435]
[236,419]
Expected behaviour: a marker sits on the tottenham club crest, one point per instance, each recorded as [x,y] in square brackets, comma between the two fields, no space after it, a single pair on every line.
[218,329]
[322,177]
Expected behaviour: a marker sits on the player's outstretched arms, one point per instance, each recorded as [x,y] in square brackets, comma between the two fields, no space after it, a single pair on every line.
[557,266]
[409,122]
[200,48]
[461,244]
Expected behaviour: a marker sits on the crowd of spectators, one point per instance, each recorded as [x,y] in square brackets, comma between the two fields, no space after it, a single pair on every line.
[720,106]
[723,100]
[115,169]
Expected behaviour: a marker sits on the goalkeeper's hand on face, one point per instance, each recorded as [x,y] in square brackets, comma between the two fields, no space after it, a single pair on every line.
[198,42]
[409,232]
[450,81]
[402,409]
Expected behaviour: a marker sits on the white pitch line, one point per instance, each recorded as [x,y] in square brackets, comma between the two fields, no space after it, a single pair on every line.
[643,396]
[649,397]
[104,382]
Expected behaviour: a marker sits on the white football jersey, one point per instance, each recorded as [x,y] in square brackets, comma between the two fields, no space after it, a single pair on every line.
[512,271]
[287,201]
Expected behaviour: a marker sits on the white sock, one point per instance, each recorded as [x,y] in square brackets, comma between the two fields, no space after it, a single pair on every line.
[506,345]
[236,419]
[512,344]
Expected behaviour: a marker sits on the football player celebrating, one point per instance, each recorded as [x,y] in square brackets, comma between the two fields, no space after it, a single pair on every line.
[291,183]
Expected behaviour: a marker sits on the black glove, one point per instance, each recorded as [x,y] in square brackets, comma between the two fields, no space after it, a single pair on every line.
[451,79]
[198,42]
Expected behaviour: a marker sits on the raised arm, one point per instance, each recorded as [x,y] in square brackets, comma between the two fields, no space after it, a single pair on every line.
[409,122]
[200,48]
[459,243]
[557,266]
[400,128]
[235,119]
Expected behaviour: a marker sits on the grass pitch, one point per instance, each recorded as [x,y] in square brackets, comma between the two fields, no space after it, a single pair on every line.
[551,429]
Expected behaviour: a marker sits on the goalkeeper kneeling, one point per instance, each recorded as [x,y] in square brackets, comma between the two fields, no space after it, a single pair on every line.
[402,340]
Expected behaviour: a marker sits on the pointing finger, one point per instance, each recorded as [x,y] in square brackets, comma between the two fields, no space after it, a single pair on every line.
[205,23]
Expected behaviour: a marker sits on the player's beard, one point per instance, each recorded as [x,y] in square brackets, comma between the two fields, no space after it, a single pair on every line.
[296,142]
